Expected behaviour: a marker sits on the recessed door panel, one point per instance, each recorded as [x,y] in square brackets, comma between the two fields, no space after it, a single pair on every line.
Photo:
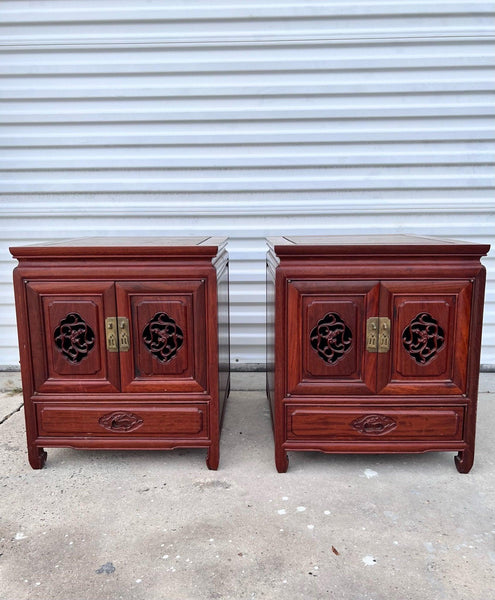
[326,337]
[167,330]
[421,328]
[160,325]
[429,341]
[332,328]
[67,335]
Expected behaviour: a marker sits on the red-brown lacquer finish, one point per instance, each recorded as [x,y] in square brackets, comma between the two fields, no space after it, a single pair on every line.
[373,344]
[123,343]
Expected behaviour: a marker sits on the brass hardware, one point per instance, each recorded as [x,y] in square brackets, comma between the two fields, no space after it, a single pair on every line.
[378,334]
[384,334]
[111,334]
[372,334]
[117,333]
[124,341]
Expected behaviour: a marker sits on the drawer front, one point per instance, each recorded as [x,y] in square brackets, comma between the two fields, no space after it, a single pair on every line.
[374,423]
[56,420]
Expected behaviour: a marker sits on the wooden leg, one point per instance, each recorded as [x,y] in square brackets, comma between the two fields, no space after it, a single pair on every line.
[213,457]
[464,460]
[37,457]
[281,460]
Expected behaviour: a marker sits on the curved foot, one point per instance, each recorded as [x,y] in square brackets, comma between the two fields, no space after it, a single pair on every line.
[281,461]
[213,458]
[464,461]
[37,457]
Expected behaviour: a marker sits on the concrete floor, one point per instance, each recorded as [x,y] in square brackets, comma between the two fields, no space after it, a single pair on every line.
[160,526]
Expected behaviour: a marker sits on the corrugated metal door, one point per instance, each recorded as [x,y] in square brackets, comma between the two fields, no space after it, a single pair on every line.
[249,119]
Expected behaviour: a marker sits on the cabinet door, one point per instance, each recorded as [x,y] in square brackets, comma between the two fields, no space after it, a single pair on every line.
[167,330]
[326,337]
[429,337]
[67,336]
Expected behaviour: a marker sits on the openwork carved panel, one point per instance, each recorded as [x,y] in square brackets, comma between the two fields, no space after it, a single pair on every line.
[331,338]
[74,338]
[120,421]
[423,338]
[163,337]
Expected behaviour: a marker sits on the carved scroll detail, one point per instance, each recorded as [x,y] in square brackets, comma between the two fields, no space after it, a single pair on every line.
[331,338]
[74,338]
[120,421]
[374,424]
[423,338]
[163,337]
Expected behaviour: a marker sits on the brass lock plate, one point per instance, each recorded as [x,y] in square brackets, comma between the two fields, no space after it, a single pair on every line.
[383,334]
[372,334]
[124,339]
[378,334]
[111,334]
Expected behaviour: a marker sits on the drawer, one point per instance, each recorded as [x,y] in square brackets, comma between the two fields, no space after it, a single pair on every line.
[379,423]
[178,420]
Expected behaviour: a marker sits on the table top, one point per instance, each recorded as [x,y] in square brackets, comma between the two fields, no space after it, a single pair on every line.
[124,246]
[372,244]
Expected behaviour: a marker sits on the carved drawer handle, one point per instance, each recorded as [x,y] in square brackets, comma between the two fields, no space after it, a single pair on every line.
[374,424]
[373,427]
[120,421]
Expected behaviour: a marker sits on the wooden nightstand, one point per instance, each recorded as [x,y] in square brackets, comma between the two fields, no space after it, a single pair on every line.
[373,344]
[124,343]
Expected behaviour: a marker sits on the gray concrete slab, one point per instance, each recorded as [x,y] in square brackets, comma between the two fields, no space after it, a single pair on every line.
[160,526]
[10,394]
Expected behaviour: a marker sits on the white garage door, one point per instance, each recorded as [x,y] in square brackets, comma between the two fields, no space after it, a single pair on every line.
[245,119]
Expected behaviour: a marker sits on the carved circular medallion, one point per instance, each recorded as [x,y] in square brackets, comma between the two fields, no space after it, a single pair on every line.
[331,338]
[163,337]
[423,338]
[74,338]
